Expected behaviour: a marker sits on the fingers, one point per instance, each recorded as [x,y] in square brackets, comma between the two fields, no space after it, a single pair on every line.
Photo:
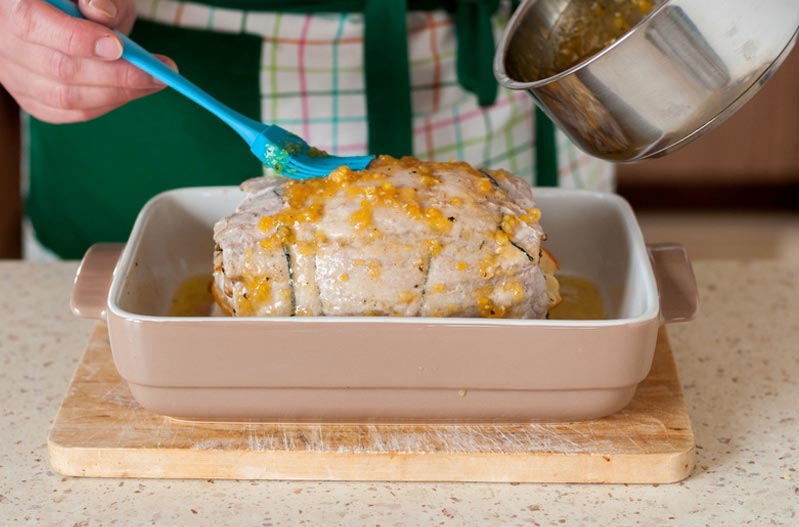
[71,70]
[62,69]
[58,115]
[119,14]
[39,23]
[105,12]
[68,96]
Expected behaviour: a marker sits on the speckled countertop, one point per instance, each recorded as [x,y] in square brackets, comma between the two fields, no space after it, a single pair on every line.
[739,364]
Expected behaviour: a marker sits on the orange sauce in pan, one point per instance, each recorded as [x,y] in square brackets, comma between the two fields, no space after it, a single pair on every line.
[595,25]
[581,299]
[193,297]
[584,29]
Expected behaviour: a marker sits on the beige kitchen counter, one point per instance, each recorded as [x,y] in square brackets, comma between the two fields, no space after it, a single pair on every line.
[739,364]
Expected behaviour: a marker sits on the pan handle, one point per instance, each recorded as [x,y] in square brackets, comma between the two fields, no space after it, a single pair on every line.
[93,280]
[676,282]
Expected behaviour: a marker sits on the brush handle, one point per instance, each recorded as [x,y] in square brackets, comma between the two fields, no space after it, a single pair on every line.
[247,128]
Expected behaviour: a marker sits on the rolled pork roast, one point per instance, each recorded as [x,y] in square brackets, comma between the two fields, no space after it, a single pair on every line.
[401,238]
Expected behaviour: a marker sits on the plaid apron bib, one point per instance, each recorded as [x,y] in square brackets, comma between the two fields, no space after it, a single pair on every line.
[312,83]
[304,72]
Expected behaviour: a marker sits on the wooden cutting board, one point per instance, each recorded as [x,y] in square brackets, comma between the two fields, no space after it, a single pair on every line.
[101,431]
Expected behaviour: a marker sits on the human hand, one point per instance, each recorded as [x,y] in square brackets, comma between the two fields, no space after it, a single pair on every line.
[61,69]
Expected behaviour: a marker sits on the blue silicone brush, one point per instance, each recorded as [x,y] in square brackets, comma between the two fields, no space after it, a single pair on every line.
[274,146]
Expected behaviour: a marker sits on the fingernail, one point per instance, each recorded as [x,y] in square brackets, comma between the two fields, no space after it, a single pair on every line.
[108,48]
[104,7]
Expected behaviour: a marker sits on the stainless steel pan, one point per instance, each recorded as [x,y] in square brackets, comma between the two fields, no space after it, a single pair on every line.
[678,73]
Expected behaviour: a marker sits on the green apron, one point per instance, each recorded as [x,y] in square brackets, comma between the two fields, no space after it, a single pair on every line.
[88,181]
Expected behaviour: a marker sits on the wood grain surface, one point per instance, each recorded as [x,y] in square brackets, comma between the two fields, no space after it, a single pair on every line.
[101,431]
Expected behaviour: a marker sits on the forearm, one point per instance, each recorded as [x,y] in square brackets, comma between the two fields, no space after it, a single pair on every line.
[10,201]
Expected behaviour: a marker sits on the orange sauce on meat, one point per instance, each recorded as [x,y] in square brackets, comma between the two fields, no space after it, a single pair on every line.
[306,199]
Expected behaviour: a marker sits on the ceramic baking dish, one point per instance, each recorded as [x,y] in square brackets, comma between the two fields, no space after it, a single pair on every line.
[333,369]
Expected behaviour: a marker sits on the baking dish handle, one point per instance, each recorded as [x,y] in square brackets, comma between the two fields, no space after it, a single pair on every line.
[676,282]
[93,279]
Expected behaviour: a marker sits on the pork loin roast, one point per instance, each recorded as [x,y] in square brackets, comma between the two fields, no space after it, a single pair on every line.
[402,238]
